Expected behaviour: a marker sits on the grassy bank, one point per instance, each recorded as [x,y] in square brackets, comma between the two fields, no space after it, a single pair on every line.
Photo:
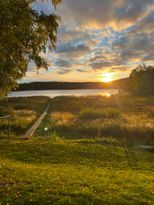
[43,171]
[23,111]
[126,118]
[89,154]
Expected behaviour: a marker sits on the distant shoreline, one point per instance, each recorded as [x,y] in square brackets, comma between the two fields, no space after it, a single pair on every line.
[122,83]
[58,93]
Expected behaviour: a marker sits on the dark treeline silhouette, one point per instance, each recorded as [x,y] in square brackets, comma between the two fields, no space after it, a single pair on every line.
[71,85]
[140,82]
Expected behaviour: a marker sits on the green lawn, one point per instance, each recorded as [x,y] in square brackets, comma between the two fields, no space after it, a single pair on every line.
[43,171]
[88,156]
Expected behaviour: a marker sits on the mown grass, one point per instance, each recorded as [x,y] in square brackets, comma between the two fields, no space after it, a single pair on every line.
[76,172]
[23,112]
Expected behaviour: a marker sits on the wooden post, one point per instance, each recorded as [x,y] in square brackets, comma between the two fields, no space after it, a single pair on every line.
[9,127]
[9,124]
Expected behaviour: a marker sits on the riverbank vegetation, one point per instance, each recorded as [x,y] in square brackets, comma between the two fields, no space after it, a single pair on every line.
[90,153]
[119,116]
[23,112]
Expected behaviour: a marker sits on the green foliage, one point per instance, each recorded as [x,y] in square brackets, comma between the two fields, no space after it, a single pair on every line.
[142,80]
[23,35]
[78,172]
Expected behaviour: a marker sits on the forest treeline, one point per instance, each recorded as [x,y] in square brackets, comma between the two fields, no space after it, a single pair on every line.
[140,82]
[71,85]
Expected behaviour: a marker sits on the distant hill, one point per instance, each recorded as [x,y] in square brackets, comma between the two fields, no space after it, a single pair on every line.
[121,84]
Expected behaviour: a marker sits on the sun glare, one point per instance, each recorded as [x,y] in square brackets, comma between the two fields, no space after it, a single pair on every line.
[108,95]
[107,77]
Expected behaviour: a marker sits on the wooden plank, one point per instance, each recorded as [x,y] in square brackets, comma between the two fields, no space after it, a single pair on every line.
[32,129]
[7,116]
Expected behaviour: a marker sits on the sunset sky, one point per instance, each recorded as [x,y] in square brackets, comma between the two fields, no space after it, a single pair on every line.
[99,39]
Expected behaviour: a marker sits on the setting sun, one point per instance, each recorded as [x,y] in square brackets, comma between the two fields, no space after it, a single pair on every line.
[107,77]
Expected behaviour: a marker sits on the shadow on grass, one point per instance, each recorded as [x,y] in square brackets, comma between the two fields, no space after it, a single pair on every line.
[74,153]
[71,199]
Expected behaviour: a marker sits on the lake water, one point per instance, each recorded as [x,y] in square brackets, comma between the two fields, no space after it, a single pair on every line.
[55,93]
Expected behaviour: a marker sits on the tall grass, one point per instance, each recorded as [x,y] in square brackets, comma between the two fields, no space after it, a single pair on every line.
[23,112]
[93,130]
[98,117]
[151,114]
[94,114]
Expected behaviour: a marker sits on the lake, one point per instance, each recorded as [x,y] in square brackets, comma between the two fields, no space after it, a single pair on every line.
[55,93]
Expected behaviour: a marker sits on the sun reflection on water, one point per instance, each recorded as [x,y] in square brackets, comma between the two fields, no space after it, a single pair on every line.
[108,95]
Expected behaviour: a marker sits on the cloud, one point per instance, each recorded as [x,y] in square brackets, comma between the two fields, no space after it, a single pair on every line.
[98,13]
[134,47]
[62,63]
[72,49]
[64,71]
[100,65]
[98,36]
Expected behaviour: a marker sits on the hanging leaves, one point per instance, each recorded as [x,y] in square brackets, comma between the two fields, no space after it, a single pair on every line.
[23,35]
